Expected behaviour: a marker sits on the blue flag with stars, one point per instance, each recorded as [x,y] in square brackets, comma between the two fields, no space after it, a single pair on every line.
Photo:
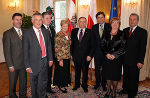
[113,11]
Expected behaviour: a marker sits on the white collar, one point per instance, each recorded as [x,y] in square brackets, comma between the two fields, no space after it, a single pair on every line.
[35,29]
[45,26]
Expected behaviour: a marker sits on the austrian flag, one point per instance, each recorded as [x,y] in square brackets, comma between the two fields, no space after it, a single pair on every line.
[72,18]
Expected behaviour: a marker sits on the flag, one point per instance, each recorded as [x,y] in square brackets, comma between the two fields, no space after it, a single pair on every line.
[113,11]
[49,9]
[72,18]
[92,13]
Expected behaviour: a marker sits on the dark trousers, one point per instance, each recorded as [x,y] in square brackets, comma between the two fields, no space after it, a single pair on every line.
[13,77]
[39,81]
[49,82]
[100,79]
[81,65]
[130,79]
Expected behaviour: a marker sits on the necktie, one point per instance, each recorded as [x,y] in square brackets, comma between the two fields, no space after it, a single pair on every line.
[130,32]
[100,30]
[42,44]
[20,35]
[80,35]
[49,30]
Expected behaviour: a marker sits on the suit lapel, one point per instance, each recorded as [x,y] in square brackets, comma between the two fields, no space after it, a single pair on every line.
[35,39]
[16,34]
[85,34]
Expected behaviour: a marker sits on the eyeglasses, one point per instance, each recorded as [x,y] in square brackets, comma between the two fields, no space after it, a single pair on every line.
[115,22]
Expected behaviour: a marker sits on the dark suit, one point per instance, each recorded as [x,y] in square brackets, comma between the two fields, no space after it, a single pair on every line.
[13,53]
[99,55]
[33,59]
[79,52]
[51,36]
[135,53]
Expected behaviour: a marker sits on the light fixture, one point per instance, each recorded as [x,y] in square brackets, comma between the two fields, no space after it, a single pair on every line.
[13,4]
[131,2]
[84,2]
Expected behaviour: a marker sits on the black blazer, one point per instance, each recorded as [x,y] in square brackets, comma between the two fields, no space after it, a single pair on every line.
[32,50]
[97,38]
[13,50]
[52,36]
[136,46]
[80,51]
[116,46]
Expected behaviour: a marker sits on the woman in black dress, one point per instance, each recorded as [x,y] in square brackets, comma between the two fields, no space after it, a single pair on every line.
[62,53]
[113,45]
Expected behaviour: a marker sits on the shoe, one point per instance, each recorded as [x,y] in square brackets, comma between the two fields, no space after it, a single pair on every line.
[63,91]
[51,92]
[85,90]
[75,88]
[96,87]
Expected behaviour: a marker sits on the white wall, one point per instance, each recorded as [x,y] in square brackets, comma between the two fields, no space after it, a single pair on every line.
[126,10]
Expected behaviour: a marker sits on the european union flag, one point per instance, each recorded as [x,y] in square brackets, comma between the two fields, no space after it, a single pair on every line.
[113,11]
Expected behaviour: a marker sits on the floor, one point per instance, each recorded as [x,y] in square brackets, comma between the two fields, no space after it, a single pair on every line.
[4,83]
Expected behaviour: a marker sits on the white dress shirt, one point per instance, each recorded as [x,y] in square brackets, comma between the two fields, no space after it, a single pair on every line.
[37,35]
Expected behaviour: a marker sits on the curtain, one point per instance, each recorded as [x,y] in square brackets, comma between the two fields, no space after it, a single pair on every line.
[144,22]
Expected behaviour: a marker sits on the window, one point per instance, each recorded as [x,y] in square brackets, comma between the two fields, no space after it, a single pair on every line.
[60,13]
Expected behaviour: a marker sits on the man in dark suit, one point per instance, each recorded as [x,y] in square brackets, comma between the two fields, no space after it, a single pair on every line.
[46,24]
[97,31]
[82,50]
[134,56]
[13,53]
[37,53]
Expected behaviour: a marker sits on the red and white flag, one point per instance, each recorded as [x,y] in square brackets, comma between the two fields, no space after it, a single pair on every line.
[92,13]
[72,15]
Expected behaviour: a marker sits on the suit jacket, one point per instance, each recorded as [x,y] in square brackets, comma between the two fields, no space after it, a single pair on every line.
[116,46]
[32,50]
[13,50]
[80,50]
[135,46]
[97,38]
[52,36]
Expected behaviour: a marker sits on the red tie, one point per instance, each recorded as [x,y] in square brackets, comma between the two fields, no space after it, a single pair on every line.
[42,44]
[130,32]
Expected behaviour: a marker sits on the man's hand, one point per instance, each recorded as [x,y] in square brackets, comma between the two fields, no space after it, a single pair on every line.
[11,69]
[139,65]
[88,58]
[61,63]
[108,56]
[29,70]
[50,63]
[112,57]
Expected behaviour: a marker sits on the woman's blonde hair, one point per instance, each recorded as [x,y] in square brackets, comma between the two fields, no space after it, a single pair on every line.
[64,22]
[115,19]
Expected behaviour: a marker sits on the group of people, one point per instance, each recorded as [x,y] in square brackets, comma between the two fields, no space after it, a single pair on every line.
[37,49]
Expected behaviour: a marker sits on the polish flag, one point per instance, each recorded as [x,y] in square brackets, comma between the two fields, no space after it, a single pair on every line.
[72,15]
[92,13]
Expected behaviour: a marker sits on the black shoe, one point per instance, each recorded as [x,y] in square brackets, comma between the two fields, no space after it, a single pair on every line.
[63,91]
[85,90]
[75,88]
[96,87]
[51,91]
[122,92]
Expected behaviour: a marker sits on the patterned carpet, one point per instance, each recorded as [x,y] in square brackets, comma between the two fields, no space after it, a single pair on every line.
[144,92]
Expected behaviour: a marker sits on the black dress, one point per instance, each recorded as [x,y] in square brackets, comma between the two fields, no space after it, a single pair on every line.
[112,68]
